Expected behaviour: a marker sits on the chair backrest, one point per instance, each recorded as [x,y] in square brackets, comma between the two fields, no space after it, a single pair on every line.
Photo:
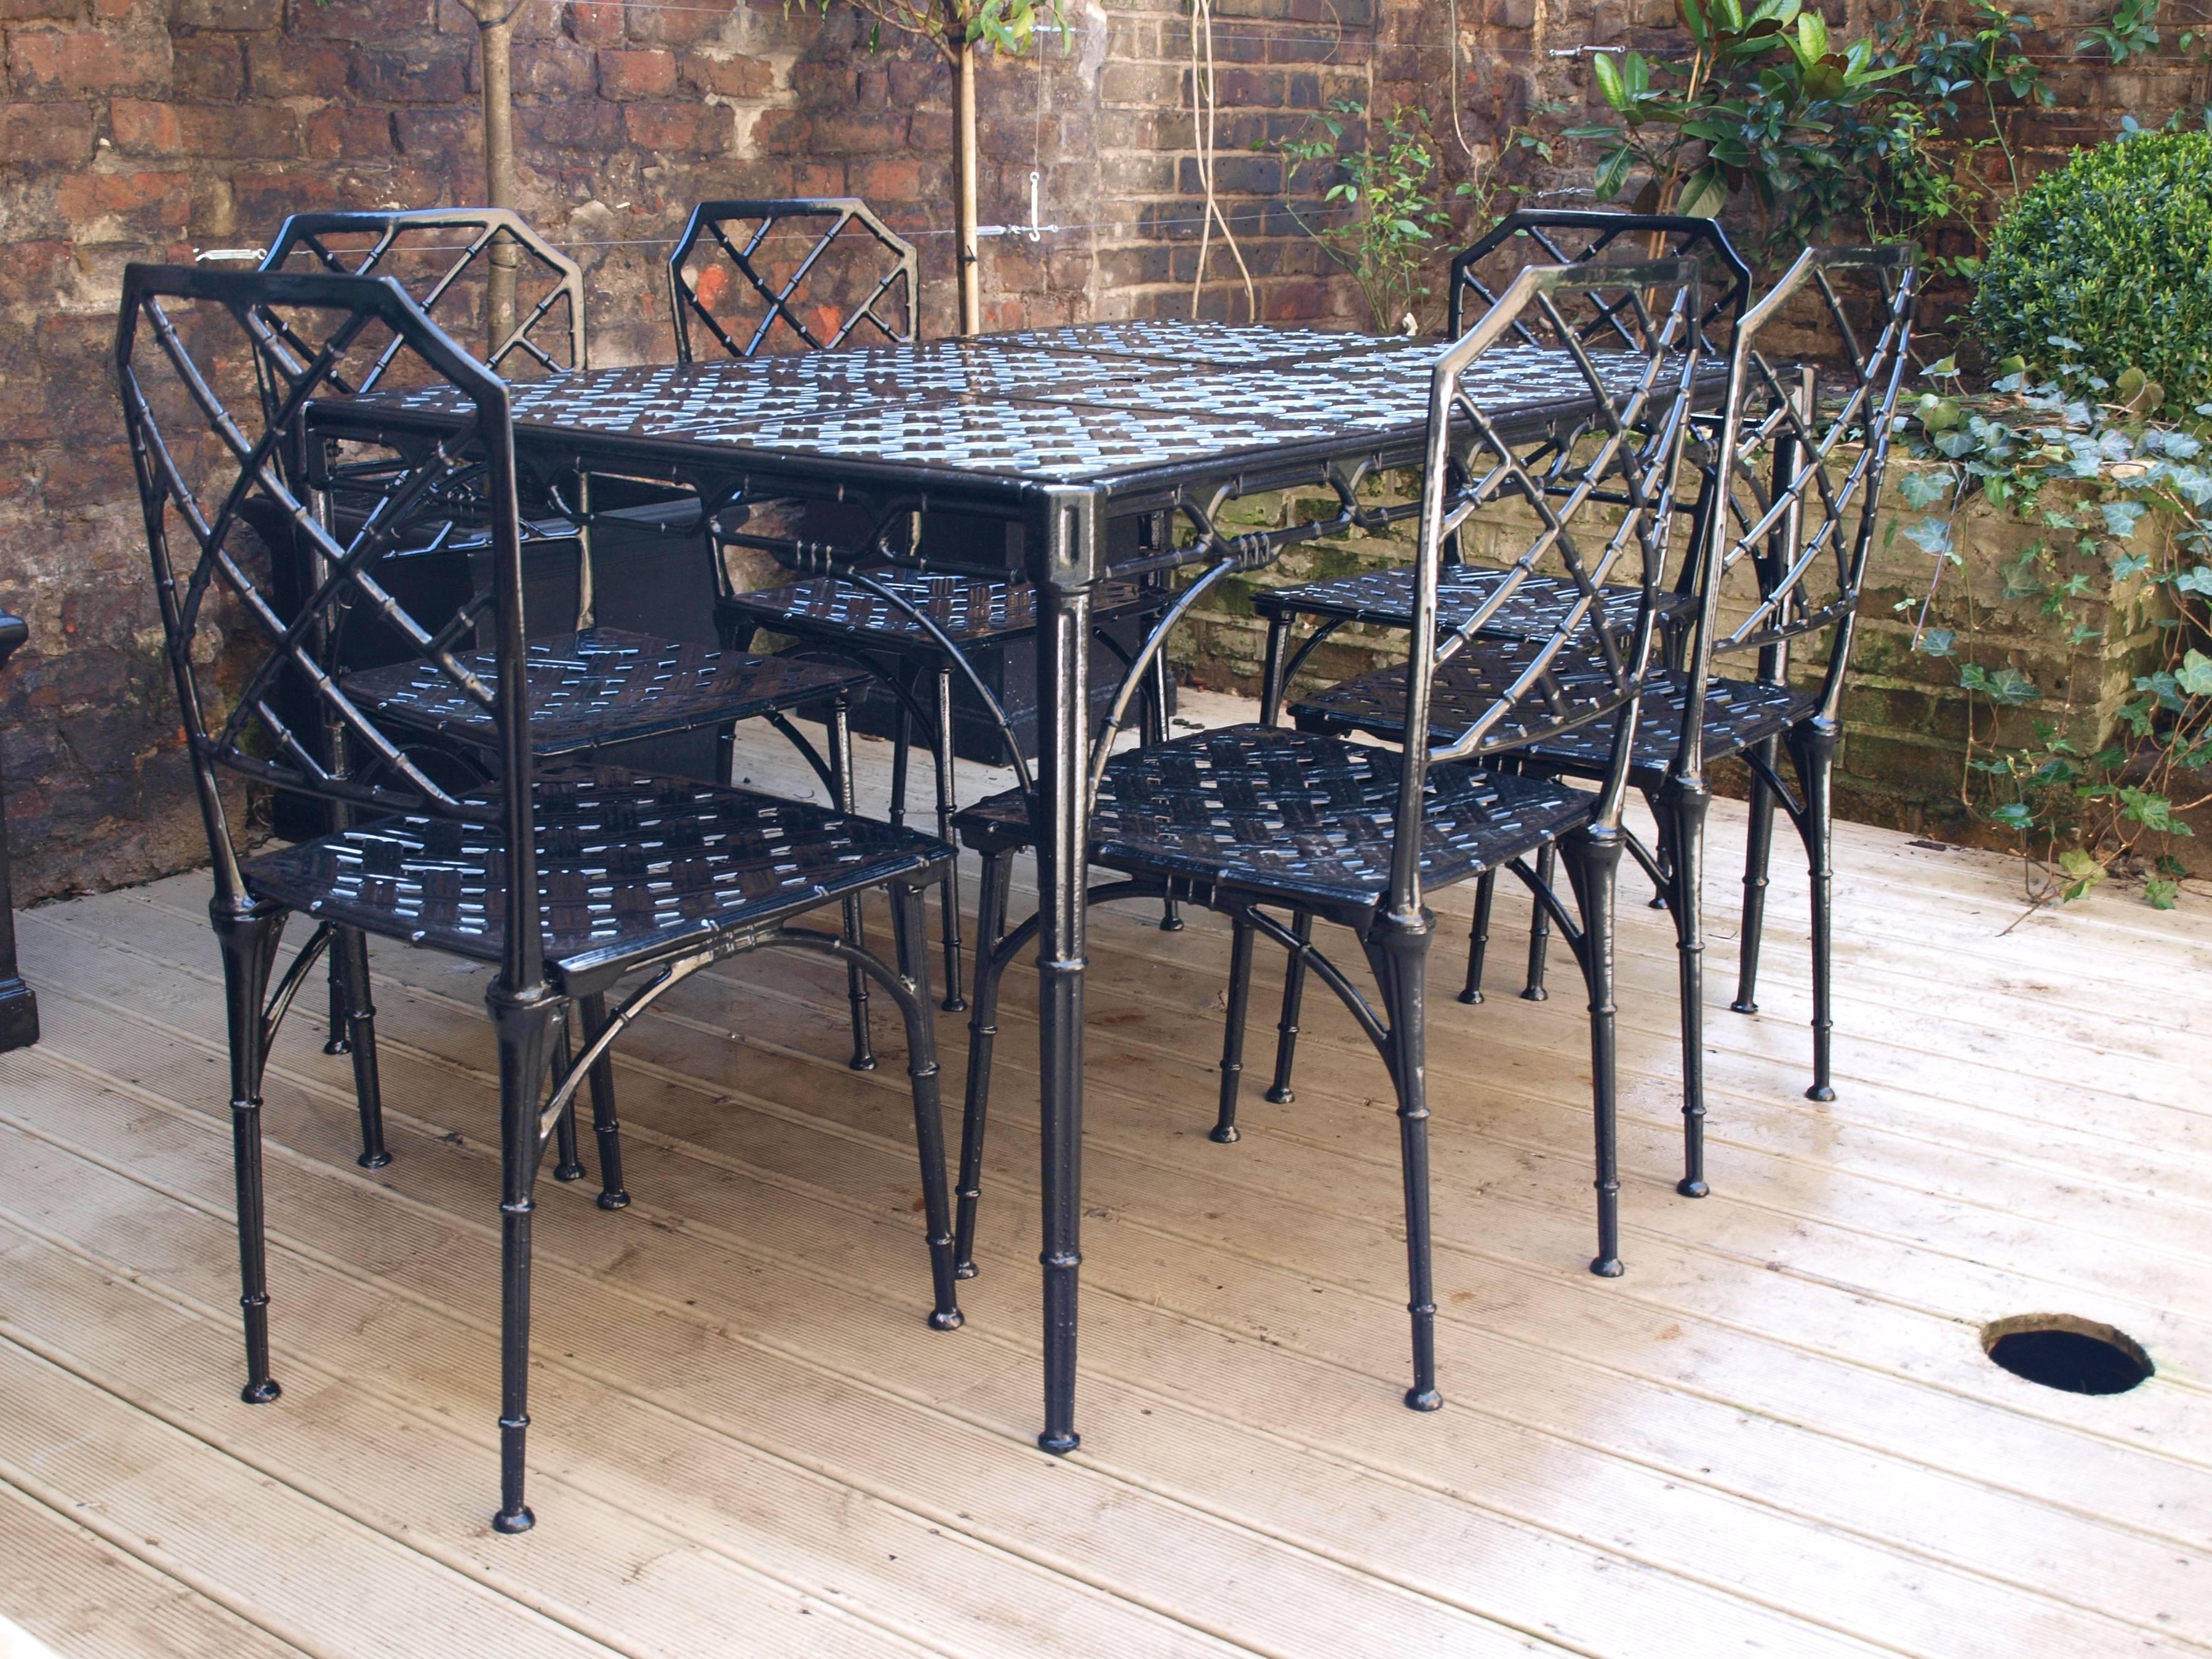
[1602,509]
[1570,236]
[444,257]
[825,269]
[1800,456]
[218,371]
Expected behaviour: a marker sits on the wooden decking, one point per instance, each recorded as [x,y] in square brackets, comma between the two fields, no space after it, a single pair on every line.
[1778,1435]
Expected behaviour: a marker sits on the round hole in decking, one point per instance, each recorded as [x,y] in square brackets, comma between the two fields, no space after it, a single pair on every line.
[2060,1351]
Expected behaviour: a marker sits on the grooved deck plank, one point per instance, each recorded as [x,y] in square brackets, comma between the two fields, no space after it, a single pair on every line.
[1778,1435]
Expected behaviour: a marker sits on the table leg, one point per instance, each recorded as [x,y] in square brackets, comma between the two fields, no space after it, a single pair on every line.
[1065,555]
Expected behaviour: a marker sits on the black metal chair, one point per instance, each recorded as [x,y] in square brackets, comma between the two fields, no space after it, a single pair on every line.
[1253,819]
[1797,462]
[1383,598]
[734,275]
[568,877]
[446,260]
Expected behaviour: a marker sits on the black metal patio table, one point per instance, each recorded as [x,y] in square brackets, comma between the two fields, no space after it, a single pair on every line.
[1053,432]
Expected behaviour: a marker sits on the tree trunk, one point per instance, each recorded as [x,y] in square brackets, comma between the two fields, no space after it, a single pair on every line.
[497,35]
[964,192]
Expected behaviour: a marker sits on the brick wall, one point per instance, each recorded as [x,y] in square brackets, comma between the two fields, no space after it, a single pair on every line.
[145,128]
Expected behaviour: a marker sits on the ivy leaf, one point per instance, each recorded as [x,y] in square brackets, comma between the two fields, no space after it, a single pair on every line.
[2160,894]
[2083,871]
[2154,811]
[2195,677]
[2121,518]
[2008,686]
[1921,490]
[1937,642]
[2197,581]
[1932,536]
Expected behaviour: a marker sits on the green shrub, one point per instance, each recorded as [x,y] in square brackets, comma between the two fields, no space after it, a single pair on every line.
[2113,254]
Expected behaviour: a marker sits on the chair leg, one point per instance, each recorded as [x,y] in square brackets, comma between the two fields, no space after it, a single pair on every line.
[1813,747]
[1663,850]
[1232,1035]
[525,1024]
[606,1127]
[1758,846]
[249,933]
[334,970]
[1279,1092]
[1593,859]
[983,1036]
[349,949]
[1682,806]
[855,917]
[1156,704]
[1540,927]
[910,930]
[1477,940]
[1398,950]
[949,893]
[567,1165]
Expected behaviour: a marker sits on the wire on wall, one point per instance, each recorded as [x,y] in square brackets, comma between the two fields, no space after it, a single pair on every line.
[1201,129]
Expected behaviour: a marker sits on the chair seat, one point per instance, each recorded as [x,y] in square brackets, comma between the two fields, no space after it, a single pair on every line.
[1293,816]
[972,610]
[1576,691]
[602,686]
[632,869]
[1738,714]
[1384,598]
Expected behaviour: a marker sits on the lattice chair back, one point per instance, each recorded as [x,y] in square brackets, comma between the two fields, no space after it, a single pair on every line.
[1603,516]
[805,275]
[444,257]
[1570,236]
[217,371]
[1802,453]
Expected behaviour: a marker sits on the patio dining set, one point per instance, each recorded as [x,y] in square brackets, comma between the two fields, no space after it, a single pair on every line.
[1646,496]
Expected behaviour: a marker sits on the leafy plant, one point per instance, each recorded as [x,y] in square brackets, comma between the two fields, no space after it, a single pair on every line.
[2103,264]
[1882,134]
[1752,110]
[2126,481]
[1392,183]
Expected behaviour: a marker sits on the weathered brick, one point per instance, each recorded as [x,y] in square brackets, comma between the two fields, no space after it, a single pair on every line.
[146,202]
[429,73]
[145,128]
[86,60]
[434,132]
[552,68]
[207,69]
[636,74]
[735,76]
[571,126]
[240,130]
[352,134]
[697,128]
[596,23]
[239,15]
[295,69]
[47,132]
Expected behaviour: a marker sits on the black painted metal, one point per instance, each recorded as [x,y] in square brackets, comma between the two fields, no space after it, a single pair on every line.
[713,428]
[1578,235]
[568,878]
[19,1003]
[1802,453]
[883,295]
[1354,834]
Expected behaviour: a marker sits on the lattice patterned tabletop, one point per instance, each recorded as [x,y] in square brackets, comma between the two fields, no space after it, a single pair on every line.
[1077,404]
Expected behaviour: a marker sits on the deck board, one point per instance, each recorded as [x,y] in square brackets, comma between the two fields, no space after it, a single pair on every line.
[1777,1434]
